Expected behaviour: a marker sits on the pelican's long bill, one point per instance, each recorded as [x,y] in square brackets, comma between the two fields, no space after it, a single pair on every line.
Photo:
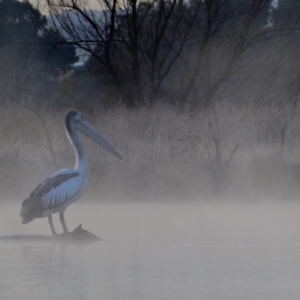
[86,128]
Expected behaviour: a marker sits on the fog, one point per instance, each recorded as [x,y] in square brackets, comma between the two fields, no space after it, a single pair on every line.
[156,250]
[205,203]
[169,227]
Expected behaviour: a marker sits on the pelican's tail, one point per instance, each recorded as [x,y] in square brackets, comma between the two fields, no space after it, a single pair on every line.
[30,210]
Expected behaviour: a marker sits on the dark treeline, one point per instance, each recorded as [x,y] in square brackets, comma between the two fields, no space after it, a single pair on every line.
[138,53]
[31,63]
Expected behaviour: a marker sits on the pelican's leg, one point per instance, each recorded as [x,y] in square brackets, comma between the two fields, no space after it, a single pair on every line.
[63,223]
[51,225]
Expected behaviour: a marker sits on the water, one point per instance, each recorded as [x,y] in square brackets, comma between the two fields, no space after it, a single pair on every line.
[157,251]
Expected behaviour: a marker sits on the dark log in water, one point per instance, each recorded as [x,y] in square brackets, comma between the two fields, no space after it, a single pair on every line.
[78,235]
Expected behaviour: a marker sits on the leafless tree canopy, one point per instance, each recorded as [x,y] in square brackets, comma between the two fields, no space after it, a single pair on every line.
[183,52]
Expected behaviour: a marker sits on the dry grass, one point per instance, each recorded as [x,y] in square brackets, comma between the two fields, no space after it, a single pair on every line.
[167,153]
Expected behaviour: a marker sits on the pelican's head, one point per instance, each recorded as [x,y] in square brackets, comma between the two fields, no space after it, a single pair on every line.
[75,118]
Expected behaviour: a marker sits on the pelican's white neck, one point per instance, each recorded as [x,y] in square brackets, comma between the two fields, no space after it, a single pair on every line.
[72,133]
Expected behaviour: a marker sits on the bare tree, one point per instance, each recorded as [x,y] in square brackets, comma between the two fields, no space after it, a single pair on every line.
[186,52]
[224,40]
[131,45]
[218,166]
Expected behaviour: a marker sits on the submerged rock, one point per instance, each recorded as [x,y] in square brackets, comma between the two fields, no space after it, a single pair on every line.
[78,235]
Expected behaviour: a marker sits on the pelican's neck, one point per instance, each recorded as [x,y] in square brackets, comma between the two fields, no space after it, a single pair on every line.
[81,158]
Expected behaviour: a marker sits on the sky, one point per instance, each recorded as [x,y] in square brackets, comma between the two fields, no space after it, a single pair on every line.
[41,3]
[274,4]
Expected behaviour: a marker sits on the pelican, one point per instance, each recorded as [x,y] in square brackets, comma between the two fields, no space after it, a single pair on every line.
[66,186]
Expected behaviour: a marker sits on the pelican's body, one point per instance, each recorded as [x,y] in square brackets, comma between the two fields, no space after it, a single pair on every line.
[66,186]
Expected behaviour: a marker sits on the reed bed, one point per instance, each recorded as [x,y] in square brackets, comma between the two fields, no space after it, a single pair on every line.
[167,153]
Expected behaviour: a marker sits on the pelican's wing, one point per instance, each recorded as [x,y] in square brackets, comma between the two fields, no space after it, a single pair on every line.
[57,189]
[54,181]
[62,186]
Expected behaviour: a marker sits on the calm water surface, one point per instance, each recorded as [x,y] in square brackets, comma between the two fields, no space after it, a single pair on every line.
[157,251]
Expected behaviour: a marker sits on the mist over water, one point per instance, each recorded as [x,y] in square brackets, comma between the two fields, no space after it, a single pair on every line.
[155,250]
[225,122]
